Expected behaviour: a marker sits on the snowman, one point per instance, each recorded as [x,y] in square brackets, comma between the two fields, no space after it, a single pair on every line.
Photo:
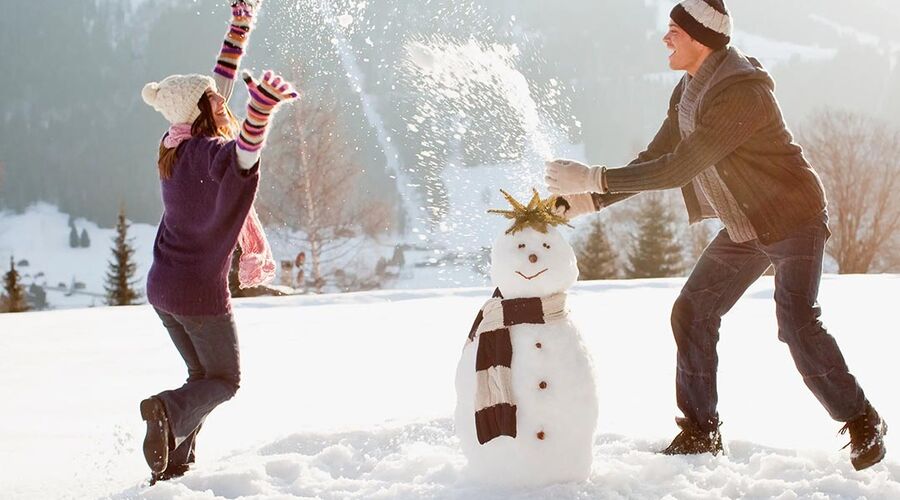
[526,400]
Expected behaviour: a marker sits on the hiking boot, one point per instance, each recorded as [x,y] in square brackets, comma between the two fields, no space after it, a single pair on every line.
[866,438]
[692,440]
[156,442]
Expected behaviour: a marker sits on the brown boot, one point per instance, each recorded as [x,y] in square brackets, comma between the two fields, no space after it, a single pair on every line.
[156,442]
[171,472]
[692,440]
[866,438]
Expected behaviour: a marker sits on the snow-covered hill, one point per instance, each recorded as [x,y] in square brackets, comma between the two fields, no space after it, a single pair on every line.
[349,396]
[40,235]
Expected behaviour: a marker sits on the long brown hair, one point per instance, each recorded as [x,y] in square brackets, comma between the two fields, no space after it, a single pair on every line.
[203,126]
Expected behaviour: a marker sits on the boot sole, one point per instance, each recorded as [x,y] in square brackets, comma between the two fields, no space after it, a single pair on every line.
[156,446]
[866,461]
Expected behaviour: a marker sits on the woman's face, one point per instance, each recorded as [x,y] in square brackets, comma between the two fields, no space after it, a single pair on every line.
[217,103]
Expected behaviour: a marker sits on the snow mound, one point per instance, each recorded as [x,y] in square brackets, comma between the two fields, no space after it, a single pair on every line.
[422,460]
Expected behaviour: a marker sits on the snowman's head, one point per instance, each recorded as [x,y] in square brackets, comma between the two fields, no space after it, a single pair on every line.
[529,263]
[532,259]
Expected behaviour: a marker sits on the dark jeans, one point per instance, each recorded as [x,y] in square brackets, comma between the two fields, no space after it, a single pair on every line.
[722,274]
[209,347]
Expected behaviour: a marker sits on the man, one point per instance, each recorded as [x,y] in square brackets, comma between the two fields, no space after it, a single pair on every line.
[725,144]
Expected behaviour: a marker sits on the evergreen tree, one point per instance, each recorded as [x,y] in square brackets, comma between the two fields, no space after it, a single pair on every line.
[596,258]
[119,278]
[73,237]
[13,299]
[85,239]
[657,252]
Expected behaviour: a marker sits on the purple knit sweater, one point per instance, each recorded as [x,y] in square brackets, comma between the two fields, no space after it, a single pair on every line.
[205,204]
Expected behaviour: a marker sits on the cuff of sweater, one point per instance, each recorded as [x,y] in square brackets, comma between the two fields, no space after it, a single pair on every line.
[247,159]
[598,179]
[622,180]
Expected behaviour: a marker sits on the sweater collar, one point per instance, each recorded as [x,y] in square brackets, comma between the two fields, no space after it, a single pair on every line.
[707,69]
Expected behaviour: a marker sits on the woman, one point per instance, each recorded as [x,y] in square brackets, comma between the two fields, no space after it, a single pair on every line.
[209,181]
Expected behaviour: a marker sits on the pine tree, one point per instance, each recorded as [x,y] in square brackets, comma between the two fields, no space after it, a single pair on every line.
[13,299]
[657,252]
[73,237]
[85,240]
[596,258]
[119,283]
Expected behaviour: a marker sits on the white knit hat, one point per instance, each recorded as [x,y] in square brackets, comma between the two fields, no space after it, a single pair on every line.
[176,96]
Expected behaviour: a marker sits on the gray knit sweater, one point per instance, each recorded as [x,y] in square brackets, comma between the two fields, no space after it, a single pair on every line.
[740,131]
[709,187]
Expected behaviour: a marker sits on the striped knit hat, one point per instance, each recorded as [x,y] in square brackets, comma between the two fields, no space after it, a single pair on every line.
[176,96]
[706,21]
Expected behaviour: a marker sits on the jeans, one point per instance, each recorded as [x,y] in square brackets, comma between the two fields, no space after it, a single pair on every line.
[209,347]
[722,274]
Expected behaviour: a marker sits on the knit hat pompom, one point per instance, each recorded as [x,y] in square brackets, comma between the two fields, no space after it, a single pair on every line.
[149,93]
[706,21]
[176,96]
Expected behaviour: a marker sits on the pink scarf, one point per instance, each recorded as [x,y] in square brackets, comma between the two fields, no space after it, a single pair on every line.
[257,266]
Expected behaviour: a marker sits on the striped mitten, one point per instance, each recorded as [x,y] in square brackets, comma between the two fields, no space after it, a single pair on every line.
[242,19]
[265,96]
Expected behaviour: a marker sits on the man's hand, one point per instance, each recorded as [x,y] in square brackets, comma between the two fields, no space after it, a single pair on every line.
[571,206]
[572,177]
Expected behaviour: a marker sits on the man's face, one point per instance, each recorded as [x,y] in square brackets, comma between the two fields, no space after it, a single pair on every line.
[686,52]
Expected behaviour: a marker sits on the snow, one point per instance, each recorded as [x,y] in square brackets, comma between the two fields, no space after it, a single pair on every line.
[351,396]
[40,235]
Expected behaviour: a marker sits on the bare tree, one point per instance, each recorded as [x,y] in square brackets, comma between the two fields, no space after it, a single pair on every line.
[859,160]
[312,185]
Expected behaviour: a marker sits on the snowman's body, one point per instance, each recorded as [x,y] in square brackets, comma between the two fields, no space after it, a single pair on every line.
[551,371]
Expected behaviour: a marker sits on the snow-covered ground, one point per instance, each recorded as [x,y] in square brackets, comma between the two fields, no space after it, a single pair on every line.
[350,396]
[40,235]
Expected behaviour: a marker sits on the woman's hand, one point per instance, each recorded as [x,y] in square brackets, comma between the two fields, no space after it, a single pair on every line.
[265,96]
[253,5]
[270,91]
[244,11]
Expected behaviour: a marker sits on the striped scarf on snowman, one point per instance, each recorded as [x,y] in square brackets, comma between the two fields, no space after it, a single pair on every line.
[495,404]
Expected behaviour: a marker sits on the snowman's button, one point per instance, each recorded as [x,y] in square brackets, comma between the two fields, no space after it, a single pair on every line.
[538,345]
[540,435]
[542,385]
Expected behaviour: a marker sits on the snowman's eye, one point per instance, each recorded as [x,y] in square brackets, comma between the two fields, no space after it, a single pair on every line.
[547,246]
[521,245]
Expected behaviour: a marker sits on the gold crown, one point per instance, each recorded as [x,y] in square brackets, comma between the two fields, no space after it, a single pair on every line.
[538,214]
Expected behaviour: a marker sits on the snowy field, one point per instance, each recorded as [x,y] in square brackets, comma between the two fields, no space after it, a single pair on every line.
[350,396]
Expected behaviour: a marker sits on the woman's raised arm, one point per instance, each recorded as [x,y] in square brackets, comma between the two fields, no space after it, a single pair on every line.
[243,18]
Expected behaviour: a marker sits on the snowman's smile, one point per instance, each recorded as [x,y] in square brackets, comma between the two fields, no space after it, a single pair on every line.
[533,276]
